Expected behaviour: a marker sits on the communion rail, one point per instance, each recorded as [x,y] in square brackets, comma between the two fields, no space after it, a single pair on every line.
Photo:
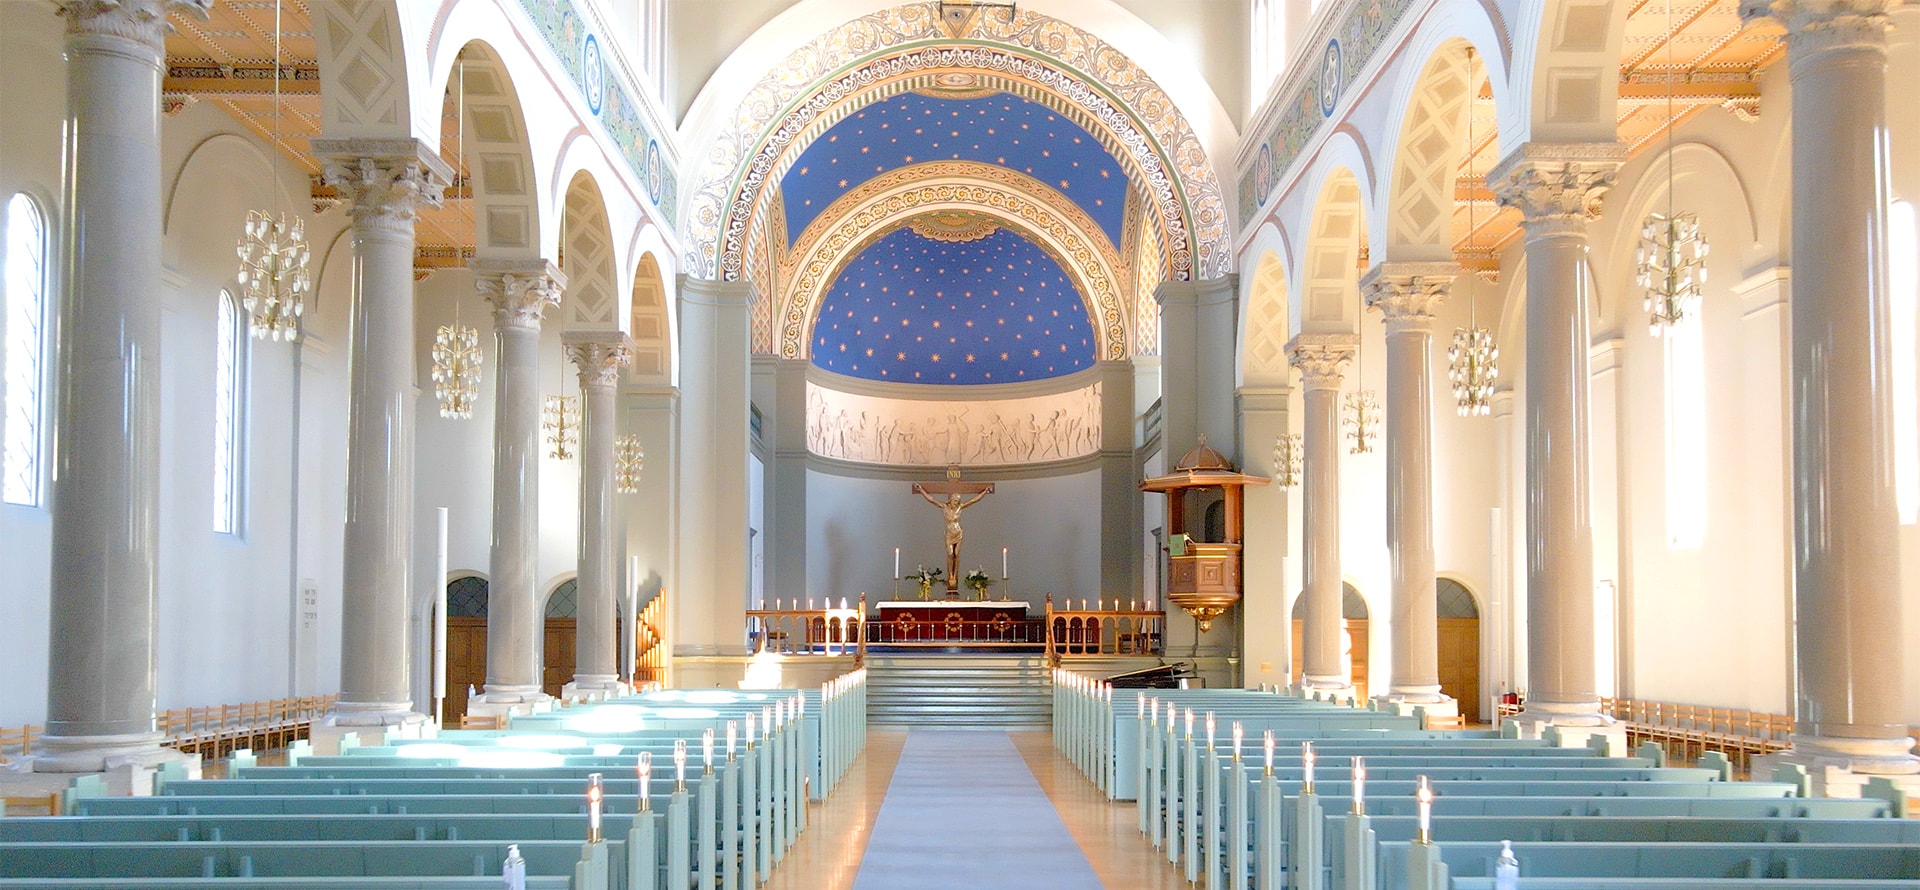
[1062,633]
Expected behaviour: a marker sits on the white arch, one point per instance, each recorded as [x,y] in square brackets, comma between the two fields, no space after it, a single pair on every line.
[1265,322]
[648,240]
[1565,74]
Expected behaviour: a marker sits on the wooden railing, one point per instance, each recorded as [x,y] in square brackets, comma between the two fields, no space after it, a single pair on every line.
[212,731]
[650,643]
[1100,631]
[1687,731]
[809,631]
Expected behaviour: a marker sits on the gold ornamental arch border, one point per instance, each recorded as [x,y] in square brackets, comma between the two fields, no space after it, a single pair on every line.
[1046,226]
[1073,66]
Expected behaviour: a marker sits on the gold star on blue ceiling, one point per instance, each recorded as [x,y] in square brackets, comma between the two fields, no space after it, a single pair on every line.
[1003,129]
[1000,302]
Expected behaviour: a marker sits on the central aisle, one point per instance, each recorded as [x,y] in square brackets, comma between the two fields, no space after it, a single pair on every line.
[963,811]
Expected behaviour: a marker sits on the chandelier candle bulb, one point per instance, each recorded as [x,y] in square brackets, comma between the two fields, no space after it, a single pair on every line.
[646,781]
[1359,786]
[706,752]
[595,793]
[1424,795]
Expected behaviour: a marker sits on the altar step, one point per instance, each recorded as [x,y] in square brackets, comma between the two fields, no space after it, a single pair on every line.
[935,691]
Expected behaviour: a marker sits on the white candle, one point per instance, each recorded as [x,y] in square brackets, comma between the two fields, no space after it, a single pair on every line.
[1003,564]
[646,779]
[1210,725]
[706,751]
[679,764]
[733,730]
[1359,786]
[1306,764]
[896,562]
[594,794]
[1269,752]
[1424,794]
[1189,724]
[1238,733]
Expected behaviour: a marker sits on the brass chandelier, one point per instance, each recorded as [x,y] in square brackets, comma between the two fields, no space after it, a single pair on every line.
[628,459]
[1287,453]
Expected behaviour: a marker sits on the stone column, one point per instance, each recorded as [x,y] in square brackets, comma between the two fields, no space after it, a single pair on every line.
[385,182]
[1850,701]
[786,546]
[1406,294]
[105,497]
[519,290]
[599,355]
[1557,189]
[1119,482]
[710,589]
[1319,358]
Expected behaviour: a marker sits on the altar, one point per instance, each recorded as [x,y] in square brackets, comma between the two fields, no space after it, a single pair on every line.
[954,621]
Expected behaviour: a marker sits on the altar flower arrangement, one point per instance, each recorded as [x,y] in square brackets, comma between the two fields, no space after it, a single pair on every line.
[979,580]
[926,578]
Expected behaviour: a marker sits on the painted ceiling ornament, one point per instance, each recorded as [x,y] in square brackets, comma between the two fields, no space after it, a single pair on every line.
[865,56]
[953,227]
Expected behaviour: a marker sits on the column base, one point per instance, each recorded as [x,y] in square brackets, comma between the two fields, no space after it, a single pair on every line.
[594,687]
[1404,702]
[1328,688]
[1840,767]
[1572,728]
[500,700]
[127,762]
[368,722]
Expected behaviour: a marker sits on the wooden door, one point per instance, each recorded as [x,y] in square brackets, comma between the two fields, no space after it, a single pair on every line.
[1460,664]
[1356,629]
[466,663]
[557,664]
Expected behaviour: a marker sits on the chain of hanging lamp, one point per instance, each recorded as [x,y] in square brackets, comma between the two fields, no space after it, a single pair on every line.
[1671,262]
[1362,415]
[456,347]
[1472,359]
[273,252]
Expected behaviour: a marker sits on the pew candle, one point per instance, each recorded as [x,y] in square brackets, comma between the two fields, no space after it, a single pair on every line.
[733,729]
[1359,786]
[706,752]
[595,793]
[1306,766]
[749,730]
[679,765]
[1269,741]
[1189,724]
[1210,731]
[1238,734]
[1424,794]
[646,781]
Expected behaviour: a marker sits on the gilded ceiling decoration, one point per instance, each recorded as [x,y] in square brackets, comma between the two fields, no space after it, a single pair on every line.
[954,227]
[907,48]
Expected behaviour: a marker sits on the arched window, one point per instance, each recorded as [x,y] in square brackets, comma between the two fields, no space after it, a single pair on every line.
[24,421]
[1903,279]
[1686,433]
[229,370]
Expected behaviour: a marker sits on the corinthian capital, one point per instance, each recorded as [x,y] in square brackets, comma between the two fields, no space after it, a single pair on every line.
[1406,293]
[1814,25]
[599,355]
[1320,356]
[385,180]
[141,21]
[1557,187]
[518,290]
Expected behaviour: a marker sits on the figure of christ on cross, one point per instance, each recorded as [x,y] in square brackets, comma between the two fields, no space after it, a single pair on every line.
[949,496]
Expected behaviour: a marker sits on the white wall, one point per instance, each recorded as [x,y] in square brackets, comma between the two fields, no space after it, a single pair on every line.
[1050,526]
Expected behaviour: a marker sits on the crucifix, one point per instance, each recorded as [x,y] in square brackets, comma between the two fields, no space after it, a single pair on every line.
[951,497]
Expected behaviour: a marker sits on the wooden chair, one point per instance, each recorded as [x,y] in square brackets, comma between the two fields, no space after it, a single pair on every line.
[31,805]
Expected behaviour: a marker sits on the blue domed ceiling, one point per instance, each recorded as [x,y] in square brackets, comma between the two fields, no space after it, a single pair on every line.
[1002,129]
[913,309]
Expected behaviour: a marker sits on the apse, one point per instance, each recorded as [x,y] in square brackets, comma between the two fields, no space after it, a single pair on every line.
[919,306]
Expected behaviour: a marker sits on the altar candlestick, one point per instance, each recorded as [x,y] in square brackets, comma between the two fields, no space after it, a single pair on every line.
[1238,733]
[679,765]
[1306,765]
[1424,794]
[1269,752]
[594,795]
[646,780]
[706,752]
[1359,786]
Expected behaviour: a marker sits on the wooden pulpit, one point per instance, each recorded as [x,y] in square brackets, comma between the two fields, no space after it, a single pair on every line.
[1205,574]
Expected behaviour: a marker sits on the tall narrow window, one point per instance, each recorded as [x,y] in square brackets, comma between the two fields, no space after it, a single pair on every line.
[229,368]
[1686,434]
[1903,254]
[25,352]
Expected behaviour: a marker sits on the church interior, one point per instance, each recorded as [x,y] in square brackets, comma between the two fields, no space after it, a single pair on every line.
[385,381]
